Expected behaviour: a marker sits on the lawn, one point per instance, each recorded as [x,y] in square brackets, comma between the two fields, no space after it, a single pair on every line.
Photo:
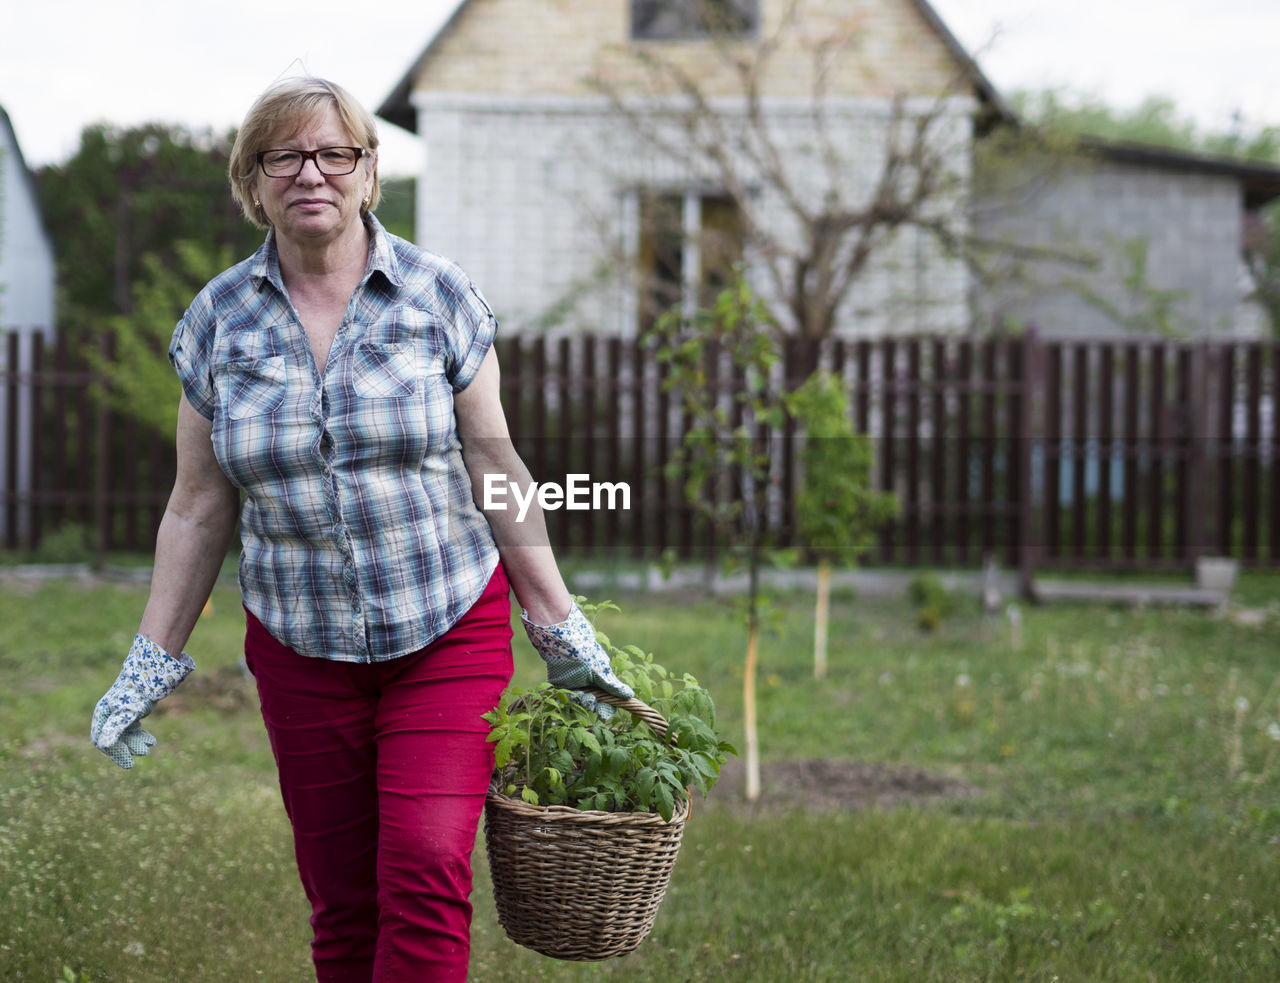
[1124,821]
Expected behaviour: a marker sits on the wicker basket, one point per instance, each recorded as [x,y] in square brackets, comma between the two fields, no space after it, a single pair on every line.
[580,884]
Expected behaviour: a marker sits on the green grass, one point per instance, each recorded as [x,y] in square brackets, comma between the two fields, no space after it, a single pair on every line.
[1127,826]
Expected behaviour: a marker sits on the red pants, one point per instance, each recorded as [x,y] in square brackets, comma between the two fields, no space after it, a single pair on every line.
[383,769]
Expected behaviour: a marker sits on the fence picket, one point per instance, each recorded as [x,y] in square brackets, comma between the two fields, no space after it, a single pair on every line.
[1152,452]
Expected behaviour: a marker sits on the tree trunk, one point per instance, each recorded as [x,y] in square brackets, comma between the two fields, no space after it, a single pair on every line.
[821,616]
[749,711]
[806,353]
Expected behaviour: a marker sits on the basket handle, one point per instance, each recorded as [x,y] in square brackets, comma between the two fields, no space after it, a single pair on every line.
[638,707]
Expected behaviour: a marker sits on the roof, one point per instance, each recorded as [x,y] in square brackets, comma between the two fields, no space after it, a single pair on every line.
[23,170]
[398,108]
[987,93]
[1259,181]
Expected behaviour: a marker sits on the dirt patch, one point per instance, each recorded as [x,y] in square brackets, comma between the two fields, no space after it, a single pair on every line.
[829,785]
[812,784]
[227,689]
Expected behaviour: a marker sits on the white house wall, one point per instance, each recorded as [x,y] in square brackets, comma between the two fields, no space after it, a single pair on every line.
[1191,225]
[26,307]
[531,197]
[26,258]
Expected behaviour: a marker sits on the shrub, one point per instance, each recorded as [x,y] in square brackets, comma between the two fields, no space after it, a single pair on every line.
[934,603]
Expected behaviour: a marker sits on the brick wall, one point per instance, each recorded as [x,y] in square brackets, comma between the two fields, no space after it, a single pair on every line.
[1190,224]
[550,47]
[531,196]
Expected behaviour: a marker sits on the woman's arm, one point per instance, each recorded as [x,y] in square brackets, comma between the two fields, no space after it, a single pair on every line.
[559,632]
[194,536]
[523,545]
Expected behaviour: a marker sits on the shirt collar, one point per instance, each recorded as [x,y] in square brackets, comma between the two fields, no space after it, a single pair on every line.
[382,258]
[265,263]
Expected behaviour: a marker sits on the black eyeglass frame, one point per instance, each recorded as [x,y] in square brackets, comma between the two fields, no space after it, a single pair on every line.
[309,155]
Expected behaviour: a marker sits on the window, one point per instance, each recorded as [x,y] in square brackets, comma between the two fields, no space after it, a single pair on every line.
[687,246]
[688,20]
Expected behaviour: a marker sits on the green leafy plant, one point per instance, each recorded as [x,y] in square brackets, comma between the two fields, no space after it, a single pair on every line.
[934,603]
[71,542]
[837,509]
[550,750]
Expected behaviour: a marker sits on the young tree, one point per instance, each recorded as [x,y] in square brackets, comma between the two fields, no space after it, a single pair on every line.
[142,383]
[837,510]
[1262,255]
[724,458]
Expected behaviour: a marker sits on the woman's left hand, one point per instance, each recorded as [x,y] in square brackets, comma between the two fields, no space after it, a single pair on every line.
[575,660]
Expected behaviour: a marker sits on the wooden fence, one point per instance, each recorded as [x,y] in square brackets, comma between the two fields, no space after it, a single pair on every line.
[1044,453]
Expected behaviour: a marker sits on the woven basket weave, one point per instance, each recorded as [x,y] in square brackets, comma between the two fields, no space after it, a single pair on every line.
[580,884]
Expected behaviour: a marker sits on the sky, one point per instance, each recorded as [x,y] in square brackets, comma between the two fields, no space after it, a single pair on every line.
[67,63]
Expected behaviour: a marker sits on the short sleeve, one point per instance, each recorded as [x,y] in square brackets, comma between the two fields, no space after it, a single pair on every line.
[470,336]
[189,355]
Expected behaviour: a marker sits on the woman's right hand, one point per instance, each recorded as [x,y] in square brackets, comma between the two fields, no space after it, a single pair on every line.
[148,675]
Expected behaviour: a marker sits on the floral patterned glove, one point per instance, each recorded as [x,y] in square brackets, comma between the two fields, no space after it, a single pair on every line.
[149,674]
[575,660]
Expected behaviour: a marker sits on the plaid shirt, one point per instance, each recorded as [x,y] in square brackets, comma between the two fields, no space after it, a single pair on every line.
[361,540]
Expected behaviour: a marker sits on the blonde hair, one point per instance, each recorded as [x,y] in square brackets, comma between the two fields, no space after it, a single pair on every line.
[283,108]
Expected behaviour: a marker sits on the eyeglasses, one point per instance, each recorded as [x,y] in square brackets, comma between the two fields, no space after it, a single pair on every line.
[330,161]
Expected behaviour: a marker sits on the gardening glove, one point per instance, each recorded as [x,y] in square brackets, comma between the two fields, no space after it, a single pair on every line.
[149,674]
[575,660]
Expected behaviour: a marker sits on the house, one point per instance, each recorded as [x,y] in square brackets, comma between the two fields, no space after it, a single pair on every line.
[560,172]
[27,277]
[26,253]
[1118,237]
[566,211]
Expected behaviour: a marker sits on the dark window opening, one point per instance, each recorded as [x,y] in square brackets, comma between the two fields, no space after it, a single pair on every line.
[677,229]
[690,20]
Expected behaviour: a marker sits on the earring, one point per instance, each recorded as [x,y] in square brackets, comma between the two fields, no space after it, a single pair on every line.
[366,201]
[256,203]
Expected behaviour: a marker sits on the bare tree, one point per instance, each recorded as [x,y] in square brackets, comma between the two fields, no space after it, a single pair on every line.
[798,174]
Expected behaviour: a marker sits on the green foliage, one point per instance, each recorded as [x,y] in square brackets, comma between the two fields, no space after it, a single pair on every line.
[1107,841]
[1263,259]
[933,602]
[837,510]
[550,750]
[728,442]
[396,206]
[142,382]
[1156,121]
[129,194]
[69,543]
[730,434]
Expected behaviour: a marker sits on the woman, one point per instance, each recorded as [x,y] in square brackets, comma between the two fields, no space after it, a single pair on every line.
[344,383]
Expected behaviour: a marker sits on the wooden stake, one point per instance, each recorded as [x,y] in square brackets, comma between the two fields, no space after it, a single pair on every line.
[821,616]
[749,712]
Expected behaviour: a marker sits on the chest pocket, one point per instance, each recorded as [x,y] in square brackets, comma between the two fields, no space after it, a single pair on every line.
[383,371]
[255,386]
